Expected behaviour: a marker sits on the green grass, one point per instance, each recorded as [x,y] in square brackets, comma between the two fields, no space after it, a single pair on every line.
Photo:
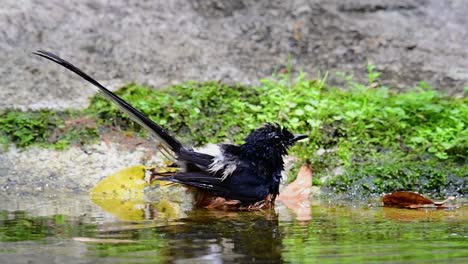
[383,140]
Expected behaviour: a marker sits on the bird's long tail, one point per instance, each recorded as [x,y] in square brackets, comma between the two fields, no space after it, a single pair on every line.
[168,145]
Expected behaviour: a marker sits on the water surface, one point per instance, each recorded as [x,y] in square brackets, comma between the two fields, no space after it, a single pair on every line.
[76,231]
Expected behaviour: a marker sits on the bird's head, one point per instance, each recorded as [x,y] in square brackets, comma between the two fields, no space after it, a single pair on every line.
[272,137]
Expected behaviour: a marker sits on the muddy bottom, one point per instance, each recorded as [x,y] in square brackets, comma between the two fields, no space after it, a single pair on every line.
[74,230]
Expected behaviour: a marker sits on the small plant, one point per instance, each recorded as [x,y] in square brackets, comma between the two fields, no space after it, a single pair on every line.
[372,74]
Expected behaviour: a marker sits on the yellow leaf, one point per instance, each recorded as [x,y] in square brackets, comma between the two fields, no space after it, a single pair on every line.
[126,184]
[123,193]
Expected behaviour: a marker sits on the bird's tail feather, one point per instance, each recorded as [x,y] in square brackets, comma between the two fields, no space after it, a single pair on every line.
[169,146]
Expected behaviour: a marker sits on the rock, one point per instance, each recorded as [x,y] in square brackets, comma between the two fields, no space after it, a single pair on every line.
[160,43]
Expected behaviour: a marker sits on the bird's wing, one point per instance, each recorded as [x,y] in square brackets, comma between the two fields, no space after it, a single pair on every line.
[202,180]
[202,160]
[235,190]
[168,145]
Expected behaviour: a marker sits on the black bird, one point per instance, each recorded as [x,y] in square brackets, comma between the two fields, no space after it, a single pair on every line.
[243,176]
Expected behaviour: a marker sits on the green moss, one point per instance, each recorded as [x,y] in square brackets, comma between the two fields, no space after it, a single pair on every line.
[25,128]
[415,140]
[46,128]
[388,173]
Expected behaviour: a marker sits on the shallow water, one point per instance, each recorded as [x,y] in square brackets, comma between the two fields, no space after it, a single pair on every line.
[76,231]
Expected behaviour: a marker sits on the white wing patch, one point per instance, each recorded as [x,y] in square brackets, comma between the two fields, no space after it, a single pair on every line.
[225,163]
[221,163]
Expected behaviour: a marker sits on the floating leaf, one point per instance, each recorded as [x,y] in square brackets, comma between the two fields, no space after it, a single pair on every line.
[405,199]
[412,200]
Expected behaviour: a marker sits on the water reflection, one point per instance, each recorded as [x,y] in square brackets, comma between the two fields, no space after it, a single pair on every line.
[217,236]
[333,234]
[202,236]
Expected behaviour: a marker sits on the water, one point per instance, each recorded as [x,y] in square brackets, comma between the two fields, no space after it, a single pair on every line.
[73,230]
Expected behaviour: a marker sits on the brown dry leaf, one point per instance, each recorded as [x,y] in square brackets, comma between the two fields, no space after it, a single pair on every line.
[296,195]
[299,189]
[412,200]
[405,199]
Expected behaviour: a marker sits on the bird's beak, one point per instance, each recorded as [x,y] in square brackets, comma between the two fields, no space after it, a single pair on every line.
[298,137]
